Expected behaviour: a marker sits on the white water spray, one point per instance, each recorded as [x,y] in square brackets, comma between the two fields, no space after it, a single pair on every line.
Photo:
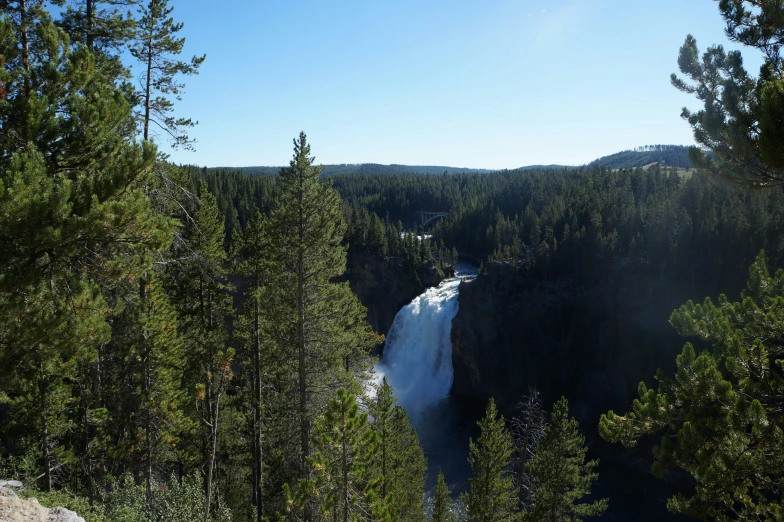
[417,358]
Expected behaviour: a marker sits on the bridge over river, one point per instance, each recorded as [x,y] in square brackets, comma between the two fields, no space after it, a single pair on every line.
[426,216]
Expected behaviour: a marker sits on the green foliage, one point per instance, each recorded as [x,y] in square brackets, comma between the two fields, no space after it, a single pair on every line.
[156,48]
[344,450]
[73,217]
[719,417]
[318,324]
[400,465]
[664,155]
[559,473]
[740,122]
[492,496]
[443,508]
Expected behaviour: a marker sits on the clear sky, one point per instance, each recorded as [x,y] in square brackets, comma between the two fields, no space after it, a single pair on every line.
[484,84]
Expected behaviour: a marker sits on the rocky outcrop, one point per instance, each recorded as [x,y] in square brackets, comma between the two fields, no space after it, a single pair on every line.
[15,509]
[592,343]
[385,286]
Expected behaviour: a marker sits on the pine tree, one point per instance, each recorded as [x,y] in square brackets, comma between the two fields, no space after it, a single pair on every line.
[492,496]
[106,31]
[157,47]
[345,448]
[99,25]
[401,464]
[443,508]
[72,211]
[159,420]
[559,473]
[740,123]
[528,429]
[321,327]
[719,416]
[254,263]
[200,293]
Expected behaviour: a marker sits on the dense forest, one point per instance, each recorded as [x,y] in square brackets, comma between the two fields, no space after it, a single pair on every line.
[181,343]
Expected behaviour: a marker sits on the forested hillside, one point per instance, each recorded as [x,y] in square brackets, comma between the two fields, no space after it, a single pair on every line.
[676,156]
[361,168]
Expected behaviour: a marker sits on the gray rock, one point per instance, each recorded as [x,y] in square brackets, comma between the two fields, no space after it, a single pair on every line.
[10,484]
[60,514]
[15,509]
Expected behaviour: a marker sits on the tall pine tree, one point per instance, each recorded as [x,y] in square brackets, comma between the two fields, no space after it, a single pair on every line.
[156,48]
[259,366]
[401,463]
[321,328]
[72,211]
[345,448]
[443,508]
[492,496]
[559,473]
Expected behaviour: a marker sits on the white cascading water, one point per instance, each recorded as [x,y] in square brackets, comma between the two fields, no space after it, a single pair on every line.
[417,359]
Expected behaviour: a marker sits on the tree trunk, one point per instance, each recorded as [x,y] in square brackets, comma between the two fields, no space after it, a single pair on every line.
[148,82]
[345,466]
[146,397]
[258,442]
[90,15]
[303,389]
[47,458]
[211,460]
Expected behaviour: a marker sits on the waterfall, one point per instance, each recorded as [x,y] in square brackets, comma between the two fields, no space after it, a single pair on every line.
[417,359]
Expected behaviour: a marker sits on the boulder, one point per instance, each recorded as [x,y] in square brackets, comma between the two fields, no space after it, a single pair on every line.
[15,509]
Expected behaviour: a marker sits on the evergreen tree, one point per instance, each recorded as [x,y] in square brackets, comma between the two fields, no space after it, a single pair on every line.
[72,212]
[443,508]
[258,354]
[740,123]
[157,47]
[559,473]
[100,26]
[345,448]
[401,464]
[199,291]
[719,416]
[492,496]
[159,420]
[528,429]
[321,327]
[105,30]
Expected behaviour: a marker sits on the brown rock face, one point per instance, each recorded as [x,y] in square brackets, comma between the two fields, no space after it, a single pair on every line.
[384,287]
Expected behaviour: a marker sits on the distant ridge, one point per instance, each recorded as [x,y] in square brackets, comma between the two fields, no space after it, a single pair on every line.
[364,168]
[665,155]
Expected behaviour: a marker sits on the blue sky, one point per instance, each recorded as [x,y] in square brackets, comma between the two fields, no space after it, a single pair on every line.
[492,84]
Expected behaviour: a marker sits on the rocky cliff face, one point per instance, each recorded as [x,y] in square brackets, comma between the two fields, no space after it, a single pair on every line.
[15,509]
[592,343]
[384,286]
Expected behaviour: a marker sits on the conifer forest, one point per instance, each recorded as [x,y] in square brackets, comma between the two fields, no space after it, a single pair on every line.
[381,343]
